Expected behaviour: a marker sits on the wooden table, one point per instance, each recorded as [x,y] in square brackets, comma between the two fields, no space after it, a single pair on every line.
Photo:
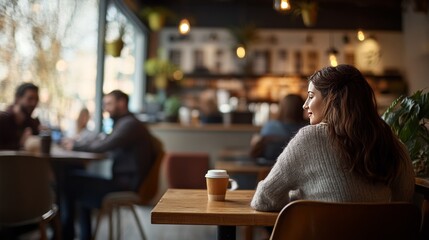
[244,167]
[63,156]
[73,157]
[184,206]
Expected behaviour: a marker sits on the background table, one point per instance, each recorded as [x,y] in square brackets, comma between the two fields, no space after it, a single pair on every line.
[244,167]
[183,206]
[73,157]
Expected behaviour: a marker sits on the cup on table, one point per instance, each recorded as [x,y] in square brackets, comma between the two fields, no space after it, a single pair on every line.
[45,143]
[217,184]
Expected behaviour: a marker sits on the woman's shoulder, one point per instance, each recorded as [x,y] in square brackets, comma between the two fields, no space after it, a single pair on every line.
[321,127]
[312,131]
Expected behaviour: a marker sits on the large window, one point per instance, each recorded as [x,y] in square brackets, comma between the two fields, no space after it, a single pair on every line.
[54,45]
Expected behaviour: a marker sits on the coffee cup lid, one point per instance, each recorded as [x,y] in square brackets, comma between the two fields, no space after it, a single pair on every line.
[217,173]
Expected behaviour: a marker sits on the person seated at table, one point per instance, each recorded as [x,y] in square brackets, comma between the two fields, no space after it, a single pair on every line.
[16,123]
[209,111]
[276,133]
[347,154]
[129,145]
[83,135]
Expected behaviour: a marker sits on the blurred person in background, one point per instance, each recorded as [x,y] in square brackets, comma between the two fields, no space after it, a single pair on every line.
[16,123]
[13,135]
[129,146]
[209,111]
[276,133]
[83,135]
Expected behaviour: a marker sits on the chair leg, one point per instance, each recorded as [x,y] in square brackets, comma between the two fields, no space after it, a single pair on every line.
[118,215]
[42,230]
[133,210]
[56,224]
[101,212]
[111,223]
[248,232]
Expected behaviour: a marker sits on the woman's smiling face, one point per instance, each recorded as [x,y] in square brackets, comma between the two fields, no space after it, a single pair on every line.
[314,105]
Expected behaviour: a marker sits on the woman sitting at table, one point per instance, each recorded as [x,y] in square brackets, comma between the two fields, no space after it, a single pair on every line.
[347,154]
[83,135]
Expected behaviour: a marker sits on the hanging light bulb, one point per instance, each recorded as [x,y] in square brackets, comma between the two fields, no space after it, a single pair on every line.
[332,52]
[241,51]
[360,35]
[281,5]
[333,59]
[184,26]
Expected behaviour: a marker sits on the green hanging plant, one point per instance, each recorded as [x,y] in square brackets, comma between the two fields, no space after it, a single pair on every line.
[156,16]
[245,35]
[308,11]
[114,47]
[161,70]
[409,118]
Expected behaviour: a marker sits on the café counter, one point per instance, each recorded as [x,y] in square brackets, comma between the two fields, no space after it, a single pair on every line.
[210,138]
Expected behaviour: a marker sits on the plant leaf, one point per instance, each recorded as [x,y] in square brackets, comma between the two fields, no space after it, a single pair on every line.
[407,117]
[390,109]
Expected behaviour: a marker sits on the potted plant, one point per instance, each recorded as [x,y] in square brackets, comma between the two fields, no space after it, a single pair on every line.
[114,47]
[409,119]
[156,16]
[171,108]
[245,35]
[161,70]
[308,11]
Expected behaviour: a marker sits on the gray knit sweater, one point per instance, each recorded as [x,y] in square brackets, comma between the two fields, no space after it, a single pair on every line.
[310,169]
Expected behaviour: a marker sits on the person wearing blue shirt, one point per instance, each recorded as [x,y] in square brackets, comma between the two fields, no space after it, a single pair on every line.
[277,132]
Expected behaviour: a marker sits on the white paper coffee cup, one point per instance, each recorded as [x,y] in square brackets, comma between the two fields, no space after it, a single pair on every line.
[217,184]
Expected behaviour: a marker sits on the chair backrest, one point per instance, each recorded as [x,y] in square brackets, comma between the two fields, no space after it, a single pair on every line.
[187,170]
[422,188]
[25,188]
[149,187]
[308,220]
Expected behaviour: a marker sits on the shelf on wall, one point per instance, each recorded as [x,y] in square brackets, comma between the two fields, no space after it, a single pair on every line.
[238,75]
[274,75]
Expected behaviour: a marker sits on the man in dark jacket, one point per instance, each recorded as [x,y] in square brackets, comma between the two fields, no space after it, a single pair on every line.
[16,123]
[130,149]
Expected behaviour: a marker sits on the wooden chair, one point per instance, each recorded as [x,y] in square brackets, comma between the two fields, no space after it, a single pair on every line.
[186,170]
[308,220]
[422,188]
[147,191]
[26,193]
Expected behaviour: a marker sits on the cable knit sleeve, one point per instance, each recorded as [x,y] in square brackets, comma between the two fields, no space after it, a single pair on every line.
[272,193]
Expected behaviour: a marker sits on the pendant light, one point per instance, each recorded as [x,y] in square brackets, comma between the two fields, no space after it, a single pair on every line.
[332,52]
[360,35]
[184,26]
[241,51]
[281,5]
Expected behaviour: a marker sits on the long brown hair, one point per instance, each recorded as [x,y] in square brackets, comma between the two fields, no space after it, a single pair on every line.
[357,132]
